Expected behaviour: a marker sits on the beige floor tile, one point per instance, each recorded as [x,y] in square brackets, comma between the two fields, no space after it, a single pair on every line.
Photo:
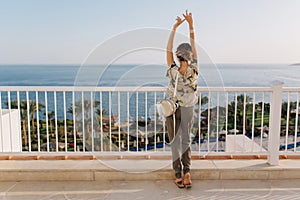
[166,189]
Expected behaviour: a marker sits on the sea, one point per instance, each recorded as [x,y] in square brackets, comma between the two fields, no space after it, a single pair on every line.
[142,75]
[217,75]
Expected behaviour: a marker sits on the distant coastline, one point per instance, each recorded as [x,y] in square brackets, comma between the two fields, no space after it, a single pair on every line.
[295,64]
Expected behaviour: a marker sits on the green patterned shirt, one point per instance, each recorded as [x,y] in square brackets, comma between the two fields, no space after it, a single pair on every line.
[186,95]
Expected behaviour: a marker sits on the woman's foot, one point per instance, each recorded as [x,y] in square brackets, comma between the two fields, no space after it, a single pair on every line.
[187,180]
[179,183]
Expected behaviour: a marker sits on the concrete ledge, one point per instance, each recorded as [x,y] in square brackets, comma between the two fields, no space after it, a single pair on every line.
[162,156]
[126,176]
[46,175]
[125,170]
[128,156]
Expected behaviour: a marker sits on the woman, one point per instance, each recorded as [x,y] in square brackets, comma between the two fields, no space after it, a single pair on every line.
[186,97]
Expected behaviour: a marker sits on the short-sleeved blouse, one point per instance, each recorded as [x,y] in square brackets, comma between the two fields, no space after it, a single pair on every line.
[186,94]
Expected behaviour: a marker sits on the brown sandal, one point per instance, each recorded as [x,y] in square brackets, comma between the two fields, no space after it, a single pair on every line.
[187,180]
[179,183]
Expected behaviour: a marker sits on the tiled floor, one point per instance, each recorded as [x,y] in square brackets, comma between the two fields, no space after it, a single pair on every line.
[217,189]
[287,187]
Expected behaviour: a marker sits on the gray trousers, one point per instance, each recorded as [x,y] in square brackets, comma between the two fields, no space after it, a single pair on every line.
[180,139]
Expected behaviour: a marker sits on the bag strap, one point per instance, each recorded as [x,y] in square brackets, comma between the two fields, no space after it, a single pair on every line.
[176,83]
[174,94]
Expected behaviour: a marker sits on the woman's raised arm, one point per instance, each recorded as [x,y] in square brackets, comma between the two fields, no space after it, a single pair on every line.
[170,58]
[189,18]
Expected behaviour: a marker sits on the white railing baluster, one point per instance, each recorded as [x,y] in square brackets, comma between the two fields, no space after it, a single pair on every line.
[83,121]
[296,123]
[38,120]
[1,122]
[253,119]
[164,136]
[119,121]
[19,117]
[208,124]
[146,121]
[65,122]
[164,131]
[287,122]
[47,125]
[110,116]
[244,117]
[101,122]
[137,119]
[262,120]
[10,123]
[74,121]
[235,117]
[128,121]
[155,122]
[218,116]
[55,121]
[55,118]
[92,120]
[199,121]
[226,119]
[28,122]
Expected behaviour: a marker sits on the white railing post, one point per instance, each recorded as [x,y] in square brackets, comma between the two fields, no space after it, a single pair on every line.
[275,123]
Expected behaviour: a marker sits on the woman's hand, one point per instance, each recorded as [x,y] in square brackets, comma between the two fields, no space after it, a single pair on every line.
[188,17]
[178,22]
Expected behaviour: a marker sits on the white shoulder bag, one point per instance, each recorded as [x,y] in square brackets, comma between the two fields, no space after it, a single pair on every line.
[167,107]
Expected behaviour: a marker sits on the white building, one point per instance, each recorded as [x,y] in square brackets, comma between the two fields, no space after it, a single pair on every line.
[10,131]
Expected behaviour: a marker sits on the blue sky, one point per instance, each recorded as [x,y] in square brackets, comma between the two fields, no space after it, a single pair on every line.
[66,31]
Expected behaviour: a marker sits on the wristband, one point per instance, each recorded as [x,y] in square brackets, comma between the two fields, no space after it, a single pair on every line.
[192,31]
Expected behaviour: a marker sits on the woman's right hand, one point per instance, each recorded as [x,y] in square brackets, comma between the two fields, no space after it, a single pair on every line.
[178,22]
[188,17]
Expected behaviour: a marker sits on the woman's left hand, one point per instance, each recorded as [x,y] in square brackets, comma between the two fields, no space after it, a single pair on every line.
[178,22]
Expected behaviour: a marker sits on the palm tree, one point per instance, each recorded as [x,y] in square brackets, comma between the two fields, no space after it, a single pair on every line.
[98,113]
[87,109]
[33,111]
[51,117]
[240,110]
[86,116]
[204,100]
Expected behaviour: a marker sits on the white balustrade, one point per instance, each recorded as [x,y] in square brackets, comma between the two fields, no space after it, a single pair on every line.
[124,119]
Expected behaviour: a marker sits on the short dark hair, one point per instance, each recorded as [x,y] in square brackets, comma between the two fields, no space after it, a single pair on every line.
[184,52]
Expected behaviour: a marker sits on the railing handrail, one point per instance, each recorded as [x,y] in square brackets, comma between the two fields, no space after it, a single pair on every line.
[134,88]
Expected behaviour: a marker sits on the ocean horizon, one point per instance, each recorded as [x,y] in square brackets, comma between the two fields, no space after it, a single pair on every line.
[220,75]
[227,75]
